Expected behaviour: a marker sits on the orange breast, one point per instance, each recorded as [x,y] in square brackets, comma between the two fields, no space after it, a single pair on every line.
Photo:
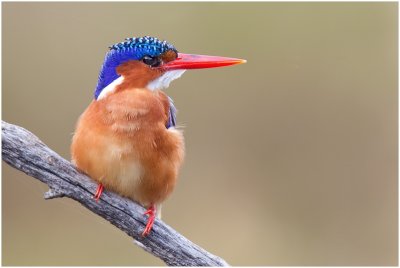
[121,141]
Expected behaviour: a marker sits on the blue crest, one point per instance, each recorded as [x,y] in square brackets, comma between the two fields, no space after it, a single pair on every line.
[130,49]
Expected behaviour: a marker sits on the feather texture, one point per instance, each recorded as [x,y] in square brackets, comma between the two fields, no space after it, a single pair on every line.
[122,142]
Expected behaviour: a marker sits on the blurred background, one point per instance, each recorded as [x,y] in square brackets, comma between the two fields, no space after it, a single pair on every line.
[291,159]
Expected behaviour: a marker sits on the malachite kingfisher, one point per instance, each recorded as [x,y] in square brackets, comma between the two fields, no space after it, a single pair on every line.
[127,140]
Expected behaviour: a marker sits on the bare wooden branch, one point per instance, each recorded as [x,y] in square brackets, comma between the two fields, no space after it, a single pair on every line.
[24,151]
[50,194]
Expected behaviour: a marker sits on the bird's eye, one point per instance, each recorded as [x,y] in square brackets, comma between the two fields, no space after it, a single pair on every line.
[151,61]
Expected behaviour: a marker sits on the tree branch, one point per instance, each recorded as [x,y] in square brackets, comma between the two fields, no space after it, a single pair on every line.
[24,151]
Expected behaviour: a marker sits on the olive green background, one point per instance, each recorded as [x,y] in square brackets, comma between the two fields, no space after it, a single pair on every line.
[291,158]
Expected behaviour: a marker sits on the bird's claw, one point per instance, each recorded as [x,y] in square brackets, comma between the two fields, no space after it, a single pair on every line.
[99,191]
[150,221]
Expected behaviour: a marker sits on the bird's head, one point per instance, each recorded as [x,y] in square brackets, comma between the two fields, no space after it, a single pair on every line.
[147,62]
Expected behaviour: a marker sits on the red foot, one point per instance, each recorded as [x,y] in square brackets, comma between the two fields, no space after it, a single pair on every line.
[98,193]
[152,216]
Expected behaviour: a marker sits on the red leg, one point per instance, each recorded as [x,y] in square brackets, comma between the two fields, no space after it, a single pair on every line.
[99,191]
[152,216]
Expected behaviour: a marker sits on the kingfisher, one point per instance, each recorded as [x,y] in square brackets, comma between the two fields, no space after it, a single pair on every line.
[127,139]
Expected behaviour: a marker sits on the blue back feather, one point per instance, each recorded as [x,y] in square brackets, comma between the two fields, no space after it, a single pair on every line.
[172,114]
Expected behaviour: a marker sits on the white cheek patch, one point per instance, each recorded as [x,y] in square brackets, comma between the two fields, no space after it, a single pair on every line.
[110,88]
[163,81]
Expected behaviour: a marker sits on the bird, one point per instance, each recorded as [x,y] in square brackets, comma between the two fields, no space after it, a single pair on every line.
[127,140]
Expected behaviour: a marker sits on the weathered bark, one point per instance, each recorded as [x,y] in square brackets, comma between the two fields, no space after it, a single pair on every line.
[24,151]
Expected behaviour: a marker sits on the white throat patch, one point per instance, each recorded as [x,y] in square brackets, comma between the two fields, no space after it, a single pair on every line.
[163,81]
[159,83]
[110,88]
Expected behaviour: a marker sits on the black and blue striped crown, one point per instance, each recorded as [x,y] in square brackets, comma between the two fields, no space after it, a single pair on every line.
[142,46]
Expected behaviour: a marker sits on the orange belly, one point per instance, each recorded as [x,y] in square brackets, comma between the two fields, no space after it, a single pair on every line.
[121,141]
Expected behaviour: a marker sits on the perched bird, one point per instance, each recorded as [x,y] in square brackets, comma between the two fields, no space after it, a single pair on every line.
[126,139]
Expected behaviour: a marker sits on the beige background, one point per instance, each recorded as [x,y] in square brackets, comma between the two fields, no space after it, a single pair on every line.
[291,158]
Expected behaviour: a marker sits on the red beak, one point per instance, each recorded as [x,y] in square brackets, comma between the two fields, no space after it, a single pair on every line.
[192,61]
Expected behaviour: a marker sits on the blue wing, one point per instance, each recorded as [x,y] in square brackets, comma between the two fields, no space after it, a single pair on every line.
[172,114]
